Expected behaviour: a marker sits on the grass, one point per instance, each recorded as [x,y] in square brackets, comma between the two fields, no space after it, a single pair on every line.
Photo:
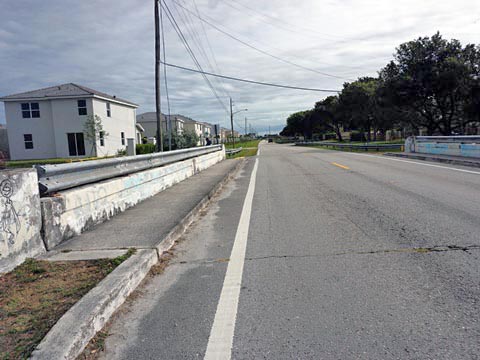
[37,293]
[243,144]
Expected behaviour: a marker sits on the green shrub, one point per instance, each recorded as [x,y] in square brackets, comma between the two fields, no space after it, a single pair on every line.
[145,149]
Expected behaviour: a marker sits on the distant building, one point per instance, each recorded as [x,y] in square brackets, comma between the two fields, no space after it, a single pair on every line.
[49,122]
[148,121]
[180,123]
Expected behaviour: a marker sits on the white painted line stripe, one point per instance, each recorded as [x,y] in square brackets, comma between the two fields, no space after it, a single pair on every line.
[221,336]
[418,163]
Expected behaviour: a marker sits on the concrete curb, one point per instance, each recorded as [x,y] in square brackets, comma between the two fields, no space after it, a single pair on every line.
[69,336]
[417,156]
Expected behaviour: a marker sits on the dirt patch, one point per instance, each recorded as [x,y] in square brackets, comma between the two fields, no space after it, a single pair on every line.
[36,294]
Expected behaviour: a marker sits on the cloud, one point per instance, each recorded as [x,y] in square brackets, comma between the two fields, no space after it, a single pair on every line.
[109,46]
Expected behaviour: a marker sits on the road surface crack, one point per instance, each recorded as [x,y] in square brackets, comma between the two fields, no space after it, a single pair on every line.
[420,250]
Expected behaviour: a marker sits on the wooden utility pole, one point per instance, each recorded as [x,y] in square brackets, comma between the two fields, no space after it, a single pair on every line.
[245,126]
[157,79]
[231,122]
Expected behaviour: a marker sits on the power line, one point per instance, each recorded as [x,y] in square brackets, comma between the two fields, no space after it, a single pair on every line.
[190,26]
[217,68]
[179,32]
[251,81]
[169,122]
[260,50]
[292,28]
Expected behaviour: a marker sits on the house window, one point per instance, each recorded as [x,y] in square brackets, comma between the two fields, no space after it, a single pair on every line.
[30,110]
[102,138]
[82,107]
[76,144]
[122,136]
[109,112]
[28,140]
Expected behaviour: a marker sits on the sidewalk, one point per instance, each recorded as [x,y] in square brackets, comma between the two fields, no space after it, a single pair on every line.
[454,160]
[145,225]
[151,227]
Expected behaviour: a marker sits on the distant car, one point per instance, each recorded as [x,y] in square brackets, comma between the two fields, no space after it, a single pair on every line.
[270,140]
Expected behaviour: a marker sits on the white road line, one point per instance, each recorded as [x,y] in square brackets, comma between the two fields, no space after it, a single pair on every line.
[418,163]
[221,336]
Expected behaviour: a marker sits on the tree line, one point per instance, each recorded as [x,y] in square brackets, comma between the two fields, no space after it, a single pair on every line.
[431,84]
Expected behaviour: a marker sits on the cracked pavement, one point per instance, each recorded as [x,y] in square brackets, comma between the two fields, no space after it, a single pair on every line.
[380,261]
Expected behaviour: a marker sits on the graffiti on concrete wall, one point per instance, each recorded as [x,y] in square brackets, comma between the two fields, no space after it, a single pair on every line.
[10,222]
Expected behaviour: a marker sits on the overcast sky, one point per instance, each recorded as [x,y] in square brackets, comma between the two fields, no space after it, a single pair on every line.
[108,45]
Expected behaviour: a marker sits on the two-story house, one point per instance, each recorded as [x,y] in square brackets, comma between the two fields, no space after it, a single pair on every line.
[50,122]
[148,121]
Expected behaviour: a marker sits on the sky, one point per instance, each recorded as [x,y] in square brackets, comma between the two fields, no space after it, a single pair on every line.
[109,46]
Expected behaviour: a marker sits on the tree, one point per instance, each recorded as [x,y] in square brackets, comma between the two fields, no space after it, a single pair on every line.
[359,105]
[295,124]
[191,138]
[433,78]
[328,110]
[93,129]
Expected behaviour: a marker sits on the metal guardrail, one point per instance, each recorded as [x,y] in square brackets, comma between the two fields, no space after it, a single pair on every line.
[233,151]
[53,178]
[365,147]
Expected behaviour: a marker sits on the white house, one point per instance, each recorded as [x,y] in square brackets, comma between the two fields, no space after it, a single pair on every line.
[49,123]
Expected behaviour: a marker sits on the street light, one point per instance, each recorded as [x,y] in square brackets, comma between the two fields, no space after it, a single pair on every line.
[231,120]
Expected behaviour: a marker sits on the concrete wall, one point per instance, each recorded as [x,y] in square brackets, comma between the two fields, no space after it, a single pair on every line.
[455,149]
[20,222]
[71,212]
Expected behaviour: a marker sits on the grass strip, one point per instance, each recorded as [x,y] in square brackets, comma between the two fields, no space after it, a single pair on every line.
[35,295]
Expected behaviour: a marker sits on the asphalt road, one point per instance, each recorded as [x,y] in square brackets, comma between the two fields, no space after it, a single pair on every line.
[339,256]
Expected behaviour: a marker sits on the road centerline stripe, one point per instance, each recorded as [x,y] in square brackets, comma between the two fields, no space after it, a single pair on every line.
[341,166]
[221,335]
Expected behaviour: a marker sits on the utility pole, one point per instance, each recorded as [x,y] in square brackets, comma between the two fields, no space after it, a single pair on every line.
[231,122]
[157,79]
[245,126]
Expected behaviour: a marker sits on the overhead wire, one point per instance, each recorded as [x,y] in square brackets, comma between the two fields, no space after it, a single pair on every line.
[202,18]
[217,68]
[168,122]
[196,38]
[184,41]
[252,81]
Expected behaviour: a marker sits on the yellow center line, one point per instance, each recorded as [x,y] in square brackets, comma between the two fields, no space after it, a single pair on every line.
[341,166]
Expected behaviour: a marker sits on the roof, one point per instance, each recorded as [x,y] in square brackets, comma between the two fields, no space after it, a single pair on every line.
[69,90]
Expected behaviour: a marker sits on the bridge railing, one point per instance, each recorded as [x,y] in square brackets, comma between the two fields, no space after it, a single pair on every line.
[57,177]
[233,151]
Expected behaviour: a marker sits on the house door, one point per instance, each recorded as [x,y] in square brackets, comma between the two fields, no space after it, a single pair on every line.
[76,144]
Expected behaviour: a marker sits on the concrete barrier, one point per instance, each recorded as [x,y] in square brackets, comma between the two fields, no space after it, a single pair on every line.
[466,146]
[73,211]
[20,222]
